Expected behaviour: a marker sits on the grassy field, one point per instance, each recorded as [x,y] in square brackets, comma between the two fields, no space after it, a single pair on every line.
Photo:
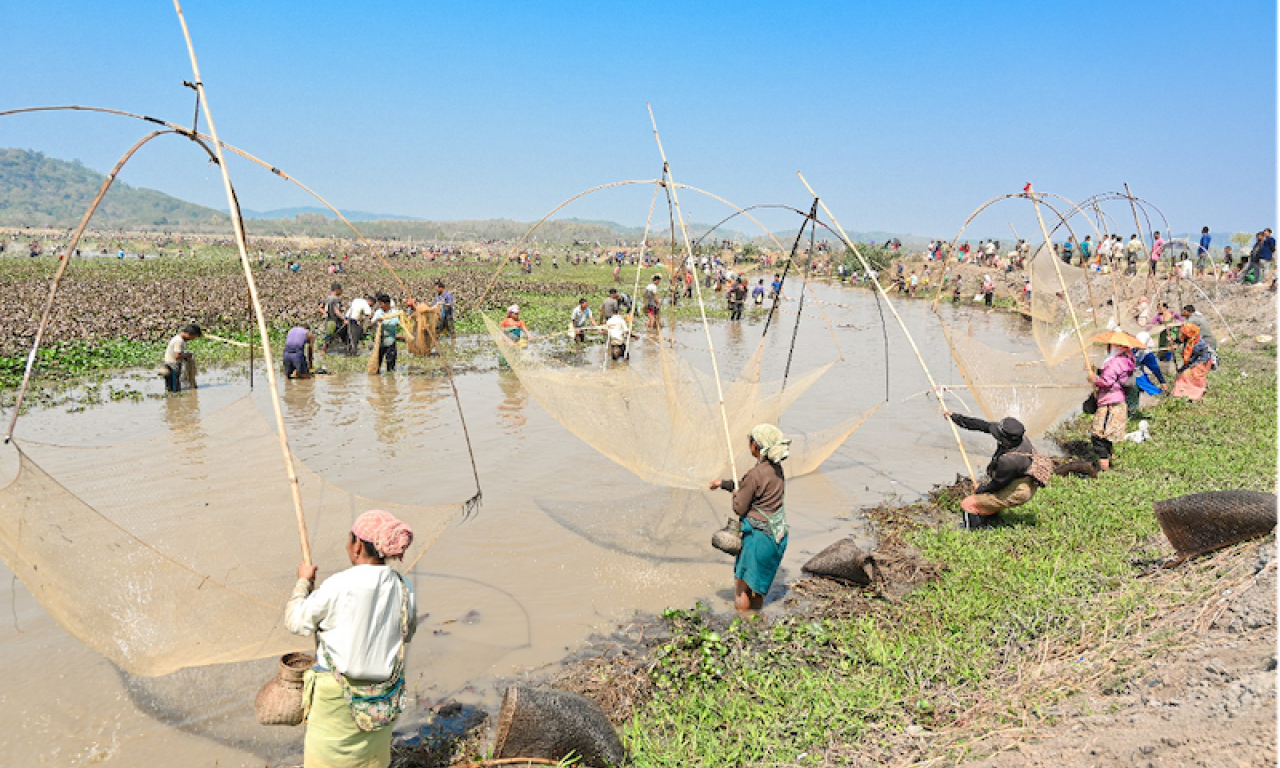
[1023,615]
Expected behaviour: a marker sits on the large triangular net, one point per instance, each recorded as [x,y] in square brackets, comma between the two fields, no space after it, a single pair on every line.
[1022,385]
[659,416]
[178,550]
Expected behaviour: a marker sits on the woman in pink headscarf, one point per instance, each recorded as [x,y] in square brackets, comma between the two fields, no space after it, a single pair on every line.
[362,618]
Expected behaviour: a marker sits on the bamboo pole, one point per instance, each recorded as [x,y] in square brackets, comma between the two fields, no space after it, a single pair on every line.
[57,278]
[631,311]
[702,309]
[1057,268]
[233,208]
[876,281]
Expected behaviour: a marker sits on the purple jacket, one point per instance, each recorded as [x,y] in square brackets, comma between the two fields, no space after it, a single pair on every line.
[1111,378]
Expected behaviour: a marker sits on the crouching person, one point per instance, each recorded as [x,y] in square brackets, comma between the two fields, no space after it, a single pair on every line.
[1014,475]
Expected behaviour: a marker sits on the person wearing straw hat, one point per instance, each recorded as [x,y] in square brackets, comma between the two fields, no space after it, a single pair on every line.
[1111,420]
[362,619]
[1013,475]
[759,501]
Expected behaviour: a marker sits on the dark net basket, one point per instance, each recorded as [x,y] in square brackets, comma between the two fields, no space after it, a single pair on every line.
[552,724]
[1203,522]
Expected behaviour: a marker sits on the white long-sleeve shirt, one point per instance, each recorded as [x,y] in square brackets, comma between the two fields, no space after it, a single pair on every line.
[356,617]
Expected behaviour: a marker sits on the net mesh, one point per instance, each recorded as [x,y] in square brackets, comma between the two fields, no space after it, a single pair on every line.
[1051,323]
[659,416]
[1022,385]
[172,552]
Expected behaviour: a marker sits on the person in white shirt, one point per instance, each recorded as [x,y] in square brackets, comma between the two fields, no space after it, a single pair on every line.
[619,334]
[178,360]
[361,309]
[362,619]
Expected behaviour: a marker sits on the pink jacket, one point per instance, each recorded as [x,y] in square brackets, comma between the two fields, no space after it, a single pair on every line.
[1111,379]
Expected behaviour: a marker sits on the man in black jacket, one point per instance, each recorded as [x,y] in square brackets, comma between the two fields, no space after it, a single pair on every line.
[1009,475]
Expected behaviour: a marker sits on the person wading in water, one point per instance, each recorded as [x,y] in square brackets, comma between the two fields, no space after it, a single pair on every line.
[759,500]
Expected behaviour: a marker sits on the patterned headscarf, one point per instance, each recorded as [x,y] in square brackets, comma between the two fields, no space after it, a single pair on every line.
[1190,333]
[773,446]
[381,529]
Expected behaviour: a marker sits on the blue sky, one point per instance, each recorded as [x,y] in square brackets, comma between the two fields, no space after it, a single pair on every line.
[904,115]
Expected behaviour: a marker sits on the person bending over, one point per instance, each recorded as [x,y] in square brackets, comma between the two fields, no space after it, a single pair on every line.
[1014,474]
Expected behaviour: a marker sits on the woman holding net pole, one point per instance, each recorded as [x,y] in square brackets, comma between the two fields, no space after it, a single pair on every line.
[362,619]
[759,501]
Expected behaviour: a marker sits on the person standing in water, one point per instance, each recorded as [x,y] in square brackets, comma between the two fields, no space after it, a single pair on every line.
[176,357]
[389,323]
[299,351]
[759,501]
[362,618]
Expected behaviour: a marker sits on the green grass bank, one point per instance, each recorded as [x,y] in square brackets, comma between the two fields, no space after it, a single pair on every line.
[1023,617]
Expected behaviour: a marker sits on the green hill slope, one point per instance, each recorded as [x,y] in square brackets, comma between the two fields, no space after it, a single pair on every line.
[40,191]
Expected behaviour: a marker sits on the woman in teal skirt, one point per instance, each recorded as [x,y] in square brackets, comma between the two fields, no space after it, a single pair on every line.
[759,501]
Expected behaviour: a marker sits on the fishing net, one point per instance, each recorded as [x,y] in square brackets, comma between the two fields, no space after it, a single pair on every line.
[1051,322]
[659,416]
[420,327]
[1022,385]
[176,551]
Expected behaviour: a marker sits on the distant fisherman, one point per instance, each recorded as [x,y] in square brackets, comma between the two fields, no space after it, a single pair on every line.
[176,357]
[390,330]
[1013,476]
[299,352]
[444,300]
[333,319]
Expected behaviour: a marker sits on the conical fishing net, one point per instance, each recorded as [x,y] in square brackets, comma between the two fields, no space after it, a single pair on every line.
[1021,385]
[178,550]
[1051,322]
[659,416]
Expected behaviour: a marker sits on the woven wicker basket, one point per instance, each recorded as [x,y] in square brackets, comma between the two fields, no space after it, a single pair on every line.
[1203,522]
[279,702]
[729,538]
[550,724]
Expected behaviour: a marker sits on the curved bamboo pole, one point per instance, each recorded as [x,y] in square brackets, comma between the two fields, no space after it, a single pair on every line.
[198,137]
[702,309]
[635,288]
[876,281]
[1057,268]
[47,312]
[233,207]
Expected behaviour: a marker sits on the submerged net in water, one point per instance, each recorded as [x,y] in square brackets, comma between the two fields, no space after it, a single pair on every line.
[179,550]
[659,416]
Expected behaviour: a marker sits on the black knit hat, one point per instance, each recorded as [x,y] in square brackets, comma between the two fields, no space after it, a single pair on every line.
[1008,430]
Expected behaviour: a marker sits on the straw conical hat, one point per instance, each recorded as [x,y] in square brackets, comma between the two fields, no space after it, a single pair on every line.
[1118,339]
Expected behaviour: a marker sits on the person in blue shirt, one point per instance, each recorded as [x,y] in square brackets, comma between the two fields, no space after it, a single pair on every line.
[444,299]
[1148,368]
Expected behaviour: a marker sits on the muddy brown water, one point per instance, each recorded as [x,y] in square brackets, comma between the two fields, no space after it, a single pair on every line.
[537,572]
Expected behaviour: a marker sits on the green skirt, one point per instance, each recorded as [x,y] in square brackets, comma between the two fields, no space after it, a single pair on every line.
[759,559]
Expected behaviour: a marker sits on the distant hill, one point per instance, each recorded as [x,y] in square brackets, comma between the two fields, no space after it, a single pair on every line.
[40,191]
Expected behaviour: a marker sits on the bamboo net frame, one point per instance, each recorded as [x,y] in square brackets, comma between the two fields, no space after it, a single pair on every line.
[233,206]
[702,308]
[472,504]
[901,324]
